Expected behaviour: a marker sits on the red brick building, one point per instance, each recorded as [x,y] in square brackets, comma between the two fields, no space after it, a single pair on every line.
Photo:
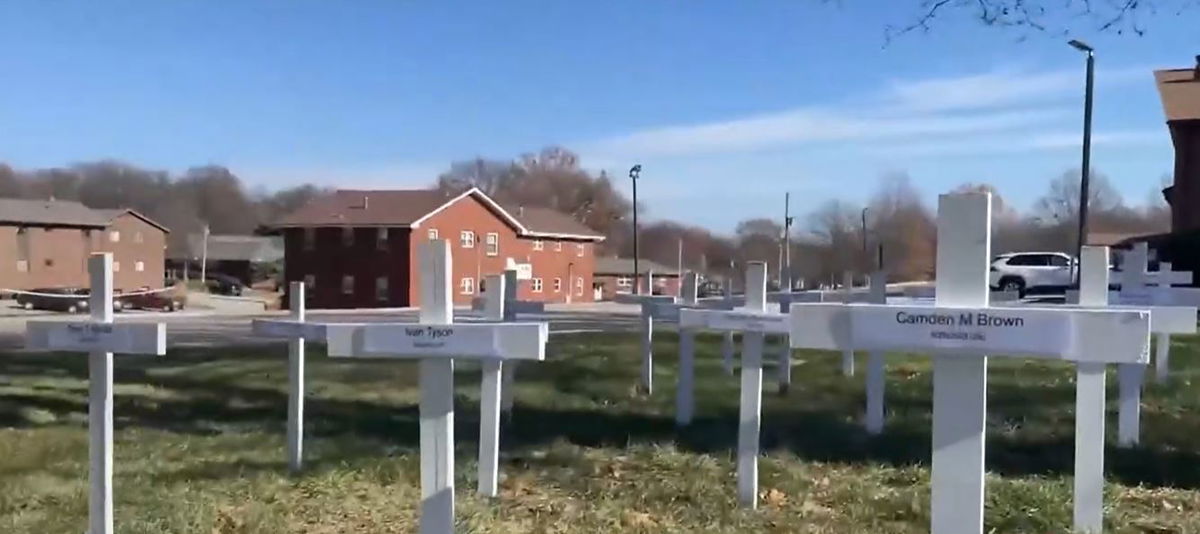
[1180,93]
[615,275]
[46,243]
[358,249]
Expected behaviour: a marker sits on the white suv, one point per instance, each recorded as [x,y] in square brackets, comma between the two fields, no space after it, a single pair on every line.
[1022,271]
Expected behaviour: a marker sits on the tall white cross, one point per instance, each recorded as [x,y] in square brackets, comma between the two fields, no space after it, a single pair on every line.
[670,312]
[876,367]
[754,321]
[100,338]
[961,330]
[511,307]
[297,331]
[649,305]
[436,341]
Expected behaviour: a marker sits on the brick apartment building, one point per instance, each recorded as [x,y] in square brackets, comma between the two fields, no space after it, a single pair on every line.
[46,243]
[358,249]
[615,275]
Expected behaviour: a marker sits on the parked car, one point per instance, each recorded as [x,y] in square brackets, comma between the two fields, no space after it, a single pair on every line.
[160,300]
[68,299]
[1026,271]
[223,284]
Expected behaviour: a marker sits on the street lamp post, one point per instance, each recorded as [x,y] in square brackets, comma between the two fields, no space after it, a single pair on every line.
[634,173]
[1087,151]
[865,256]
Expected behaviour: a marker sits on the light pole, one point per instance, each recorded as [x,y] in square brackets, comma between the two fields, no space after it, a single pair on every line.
[1087,152]
[634,173]
[866,259]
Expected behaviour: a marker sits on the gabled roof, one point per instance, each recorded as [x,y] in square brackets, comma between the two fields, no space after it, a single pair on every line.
[1180,93]
[410,208]
[50,213]
[111,215]
[624,267]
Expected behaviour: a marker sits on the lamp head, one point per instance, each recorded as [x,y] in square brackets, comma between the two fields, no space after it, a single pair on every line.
[635,171]
[1080,45]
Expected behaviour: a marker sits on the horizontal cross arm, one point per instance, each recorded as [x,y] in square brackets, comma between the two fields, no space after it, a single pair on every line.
[734,321]
[1078,334]
[509,341]
[82,336]
[288,329]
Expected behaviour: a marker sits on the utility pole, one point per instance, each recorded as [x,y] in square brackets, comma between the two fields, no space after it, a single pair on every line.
[1087,153]
[679,271]
[634,173]
[787,241]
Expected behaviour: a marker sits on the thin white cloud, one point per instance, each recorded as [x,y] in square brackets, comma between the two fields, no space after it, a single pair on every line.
[915,110]
[1052,141]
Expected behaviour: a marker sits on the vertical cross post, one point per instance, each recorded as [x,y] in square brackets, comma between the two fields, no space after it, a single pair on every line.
[437,395]
[1131,375]
[784,369]
[960,384]
[848,354]
[875,364]
[509,370]
[1089,404]
[100,400]
[727,348]
[295,422]
[684,402]
[750,410]
[1162,340]
[490,397]
[647,346]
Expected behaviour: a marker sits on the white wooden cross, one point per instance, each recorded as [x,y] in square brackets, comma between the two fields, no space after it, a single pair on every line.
[961,329]
[100,338]
[436,341]
[297,331]
[649,306]
[509,308]
[669,312]
[754,321]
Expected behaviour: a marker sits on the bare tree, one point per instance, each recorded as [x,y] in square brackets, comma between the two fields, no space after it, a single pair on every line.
[1054,16]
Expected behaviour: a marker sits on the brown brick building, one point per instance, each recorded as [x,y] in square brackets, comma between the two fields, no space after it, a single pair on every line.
[1180,93]
[47,243]
[357,249]
[615,275]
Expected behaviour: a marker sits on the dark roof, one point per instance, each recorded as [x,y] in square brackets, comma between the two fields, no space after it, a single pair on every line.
[50,213]
[112,214]
[1180,93]
[405,208]
[552,222]
[366,208]
[624,267]
[252,248]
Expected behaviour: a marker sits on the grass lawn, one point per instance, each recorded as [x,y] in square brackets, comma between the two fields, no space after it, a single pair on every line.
[200,447]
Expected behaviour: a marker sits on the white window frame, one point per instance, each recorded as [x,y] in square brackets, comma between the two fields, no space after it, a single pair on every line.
[536,284]
[491,243]
[114,236]
[558,246]
[310,238]
[580,249]
[348,278]
[578,286]
[466,286]
[139,266]
[557,285]
[624,281]
[381,238]
[116,266]
[22,266]
[466,239]
[538,244]
[432,233]
[381,288]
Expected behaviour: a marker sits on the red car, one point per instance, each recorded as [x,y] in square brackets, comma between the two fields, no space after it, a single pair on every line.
[158,300]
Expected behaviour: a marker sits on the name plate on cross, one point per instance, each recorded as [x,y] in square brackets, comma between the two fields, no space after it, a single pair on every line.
[84,336]
[1100,335]
[735,320]
[520,341]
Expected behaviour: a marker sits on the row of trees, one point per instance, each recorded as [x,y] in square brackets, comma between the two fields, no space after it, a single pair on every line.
[827,242]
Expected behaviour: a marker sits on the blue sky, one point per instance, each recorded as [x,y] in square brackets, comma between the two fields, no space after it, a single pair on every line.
[725,104]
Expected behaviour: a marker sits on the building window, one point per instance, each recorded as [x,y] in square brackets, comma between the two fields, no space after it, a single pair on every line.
[347,237]
[116,266]
[558,246]
[310,285]
[114,236]
[557,285]
[579,286]
[381,239]
[381,289]
[580,249]
[310,238]
[468,286]
[348,284]
[492,240]
[22,266]
[538,244]
[537,285]
[466,238]
[433,235]
[624,281]
[137,237]
[139,266]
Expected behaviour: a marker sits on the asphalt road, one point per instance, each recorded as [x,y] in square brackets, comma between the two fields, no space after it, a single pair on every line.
[198,329]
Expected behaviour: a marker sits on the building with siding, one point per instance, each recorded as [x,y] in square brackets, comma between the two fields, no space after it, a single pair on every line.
[358,249]
[46,243]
